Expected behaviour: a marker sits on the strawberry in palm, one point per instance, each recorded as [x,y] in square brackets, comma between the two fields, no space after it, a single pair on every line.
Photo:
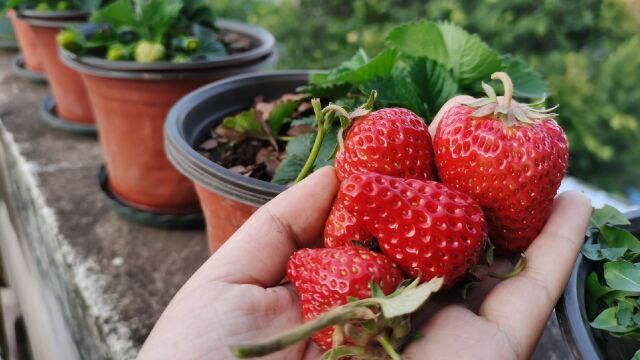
[325,278]
[427,229]
[509,157]
[390,141]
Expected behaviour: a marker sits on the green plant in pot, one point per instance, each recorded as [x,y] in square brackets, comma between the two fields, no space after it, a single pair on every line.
[600,310]
[251,155]
[137,60]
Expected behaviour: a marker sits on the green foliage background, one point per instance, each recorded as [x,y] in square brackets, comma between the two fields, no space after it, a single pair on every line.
[588,50]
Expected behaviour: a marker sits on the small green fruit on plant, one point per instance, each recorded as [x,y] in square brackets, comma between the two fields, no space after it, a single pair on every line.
[148,52]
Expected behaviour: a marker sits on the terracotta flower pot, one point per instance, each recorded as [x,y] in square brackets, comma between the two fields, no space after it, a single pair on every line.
[29,47]
[131,102]
[72,101]
[227,198]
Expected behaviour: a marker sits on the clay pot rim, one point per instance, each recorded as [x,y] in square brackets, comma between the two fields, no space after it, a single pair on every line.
[205,172]
[571,308]
[265,49]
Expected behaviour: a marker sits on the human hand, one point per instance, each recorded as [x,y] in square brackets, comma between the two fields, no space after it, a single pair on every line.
[237,296]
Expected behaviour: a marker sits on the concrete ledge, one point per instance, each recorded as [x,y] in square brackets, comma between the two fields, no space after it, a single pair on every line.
[109,279]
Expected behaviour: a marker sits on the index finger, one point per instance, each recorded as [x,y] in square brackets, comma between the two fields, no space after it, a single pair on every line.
[521,305]
[258,252]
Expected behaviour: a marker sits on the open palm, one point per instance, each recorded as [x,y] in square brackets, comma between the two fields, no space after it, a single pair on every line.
[238,295]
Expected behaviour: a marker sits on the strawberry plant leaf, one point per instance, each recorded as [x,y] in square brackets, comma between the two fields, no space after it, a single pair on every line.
[327,77]
[526,82]
[395,89]
[596,252]
[613,237]
[244,123]
[298,151]
[615,296]
[208,46]
[607,215]
[119,13]
[434,83]
[307,120]
[410,299]
[421,39]
[281,114]
[155,17]
[380,65]
[622,275]
[470,58]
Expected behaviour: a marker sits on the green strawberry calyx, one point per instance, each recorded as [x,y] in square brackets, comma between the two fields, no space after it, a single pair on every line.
[509,110]
[377,327]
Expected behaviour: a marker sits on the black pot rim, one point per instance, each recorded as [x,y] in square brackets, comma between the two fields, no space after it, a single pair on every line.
[52,19]
[205,172]
[125,69]
[571,312]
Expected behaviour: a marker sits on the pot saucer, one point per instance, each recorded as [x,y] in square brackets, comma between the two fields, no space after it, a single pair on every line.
[19,68]
[47,112]
[149,218]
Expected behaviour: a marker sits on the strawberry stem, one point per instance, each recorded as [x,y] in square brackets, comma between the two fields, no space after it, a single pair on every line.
[508,89]
[338,315]
[324,124]
[386,345]
[517,269]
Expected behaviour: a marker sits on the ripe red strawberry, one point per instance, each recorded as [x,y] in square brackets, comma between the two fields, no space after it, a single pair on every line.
[427,229]
[324,278]
[509,158]
[343,229]
[390,141]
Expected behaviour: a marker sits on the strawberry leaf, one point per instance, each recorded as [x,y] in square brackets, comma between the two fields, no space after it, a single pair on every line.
[470,58]
[434,83]
[420,39]
[244,123]
[607,215]
[409,300]
[396,89]
[612,237]
[281,114]
[596,291]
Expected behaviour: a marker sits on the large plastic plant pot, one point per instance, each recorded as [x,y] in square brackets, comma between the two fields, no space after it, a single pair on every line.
[227,198]
[69,92]
[28,44]
[584,341]
[131,103]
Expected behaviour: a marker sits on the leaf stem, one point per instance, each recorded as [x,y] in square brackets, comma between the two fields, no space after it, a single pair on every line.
[386,345]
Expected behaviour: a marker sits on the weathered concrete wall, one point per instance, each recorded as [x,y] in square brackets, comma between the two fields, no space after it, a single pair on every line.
[111,278]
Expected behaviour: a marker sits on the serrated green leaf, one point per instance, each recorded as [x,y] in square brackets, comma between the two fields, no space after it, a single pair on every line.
[328,77]
[244,123]
[330,91]
[410,299]
[396,89]
[155,17]
[613,237]
[299,149]
[470,58]
[208,46]
[433,82]
[526,82]
[119,13]
[607,215]
[281,114]
[622,275]
[380,65]
[419,39]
